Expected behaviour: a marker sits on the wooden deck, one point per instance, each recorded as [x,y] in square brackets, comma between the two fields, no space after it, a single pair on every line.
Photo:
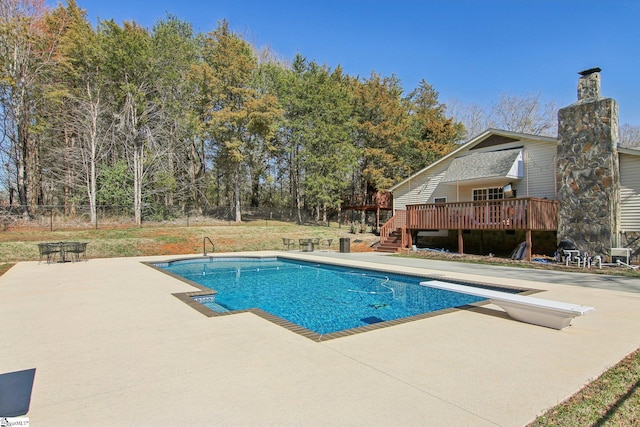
[506,214]
[371,202]
[528,214]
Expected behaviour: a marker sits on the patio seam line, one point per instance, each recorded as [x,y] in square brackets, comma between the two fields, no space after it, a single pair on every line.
[413,386]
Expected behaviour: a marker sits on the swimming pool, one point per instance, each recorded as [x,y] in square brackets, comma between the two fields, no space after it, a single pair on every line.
[322,298]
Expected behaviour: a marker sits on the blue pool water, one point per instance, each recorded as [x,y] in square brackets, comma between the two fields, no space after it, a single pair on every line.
[320,297]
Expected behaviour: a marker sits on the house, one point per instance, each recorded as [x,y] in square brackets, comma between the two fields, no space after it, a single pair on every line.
[502,188]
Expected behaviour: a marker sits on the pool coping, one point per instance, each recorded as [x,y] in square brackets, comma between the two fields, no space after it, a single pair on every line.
[203,291]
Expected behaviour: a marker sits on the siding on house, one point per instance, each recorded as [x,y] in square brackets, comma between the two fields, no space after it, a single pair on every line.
[538,175]
[423,189]
[541,168]
[629,192]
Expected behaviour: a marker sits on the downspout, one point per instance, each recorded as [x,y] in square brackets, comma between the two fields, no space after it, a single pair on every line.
[526,166]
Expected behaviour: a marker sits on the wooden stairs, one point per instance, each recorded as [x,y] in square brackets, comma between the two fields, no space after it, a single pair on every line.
[391,243]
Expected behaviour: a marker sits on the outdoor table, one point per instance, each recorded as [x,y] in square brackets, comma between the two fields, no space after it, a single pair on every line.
[63,247]
[60,246]
[306,245]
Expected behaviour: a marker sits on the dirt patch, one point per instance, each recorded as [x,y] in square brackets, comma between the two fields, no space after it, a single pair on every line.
[172,246]
[362,246]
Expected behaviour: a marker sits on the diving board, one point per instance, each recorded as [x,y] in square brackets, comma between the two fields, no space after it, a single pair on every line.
[538,311]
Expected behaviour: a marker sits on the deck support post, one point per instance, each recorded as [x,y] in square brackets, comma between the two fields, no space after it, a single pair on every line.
[460,242]
[408,241]
[528,253]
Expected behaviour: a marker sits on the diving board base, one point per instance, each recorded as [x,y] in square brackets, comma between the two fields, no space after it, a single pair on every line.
[535,315]
[537,311]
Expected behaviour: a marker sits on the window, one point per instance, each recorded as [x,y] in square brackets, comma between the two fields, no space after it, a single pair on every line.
[494,193]
[480,194]
[440,200]
[489,213]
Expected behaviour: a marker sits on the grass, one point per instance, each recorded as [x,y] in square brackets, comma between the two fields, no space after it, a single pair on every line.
[20,244]
[612,399]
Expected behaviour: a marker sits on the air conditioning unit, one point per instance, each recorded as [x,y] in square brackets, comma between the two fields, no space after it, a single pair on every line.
[622,254]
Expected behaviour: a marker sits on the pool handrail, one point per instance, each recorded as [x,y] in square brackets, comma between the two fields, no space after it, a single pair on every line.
[204,246]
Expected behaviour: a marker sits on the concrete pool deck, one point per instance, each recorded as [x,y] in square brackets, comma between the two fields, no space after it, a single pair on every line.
[111,345]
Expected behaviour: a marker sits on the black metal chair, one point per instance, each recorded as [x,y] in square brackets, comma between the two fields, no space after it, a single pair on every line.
[48,251]
[315,242]
[76,250]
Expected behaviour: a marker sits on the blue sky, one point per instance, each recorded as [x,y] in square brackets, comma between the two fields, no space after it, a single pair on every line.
[470,51]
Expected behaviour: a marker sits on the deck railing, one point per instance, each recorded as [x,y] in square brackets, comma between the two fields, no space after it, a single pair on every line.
[377,200]
[397,221]
[505,214]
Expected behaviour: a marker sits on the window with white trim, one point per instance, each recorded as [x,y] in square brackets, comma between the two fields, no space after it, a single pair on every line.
[490,213]
[493,193]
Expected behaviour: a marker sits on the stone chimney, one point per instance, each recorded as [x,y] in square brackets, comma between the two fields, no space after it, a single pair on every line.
[587,172]
[589,84]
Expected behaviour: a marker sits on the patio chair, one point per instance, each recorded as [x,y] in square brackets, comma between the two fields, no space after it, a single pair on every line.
[76,250]
[328,243]
[48,251]
[82,250]
[288,243]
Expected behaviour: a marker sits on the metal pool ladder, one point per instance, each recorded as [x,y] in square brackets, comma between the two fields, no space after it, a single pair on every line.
[204,245]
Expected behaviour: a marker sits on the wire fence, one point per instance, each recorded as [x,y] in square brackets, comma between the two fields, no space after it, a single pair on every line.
[55,217]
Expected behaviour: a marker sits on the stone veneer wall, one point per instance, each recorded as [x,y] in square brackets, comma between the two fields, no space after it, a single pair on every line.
[588,181]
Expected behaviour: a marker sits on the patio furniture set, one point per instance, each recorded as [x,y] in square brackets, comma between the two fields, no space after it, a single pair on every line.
[307,245]
[68,251]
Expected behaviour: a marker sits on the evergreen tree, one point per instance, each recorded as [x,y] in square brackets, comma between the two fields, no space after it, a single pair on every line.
[239,119]
[382,123]
[179,173]
[327,131]
[431,134]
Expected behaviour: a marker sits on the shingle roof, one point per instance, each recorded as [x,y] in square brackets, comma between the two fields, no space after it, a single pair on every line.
[481,165]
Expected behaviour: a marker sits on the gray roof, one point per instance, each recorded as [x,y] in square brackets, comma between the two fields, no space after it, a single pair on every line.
[481,165]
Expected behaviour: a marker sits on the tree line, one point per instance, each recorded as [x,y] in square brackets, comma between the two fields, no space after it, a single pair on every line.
[165,117]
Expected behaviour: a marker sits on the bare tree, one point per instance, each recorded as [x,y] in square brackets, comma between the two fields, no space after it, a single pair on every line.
[94,136]
[472,116]
[525,114]
[629,136]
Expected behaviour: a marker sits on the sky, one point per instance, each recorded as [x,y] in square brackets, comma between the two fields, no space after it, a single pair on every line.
[470,51]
